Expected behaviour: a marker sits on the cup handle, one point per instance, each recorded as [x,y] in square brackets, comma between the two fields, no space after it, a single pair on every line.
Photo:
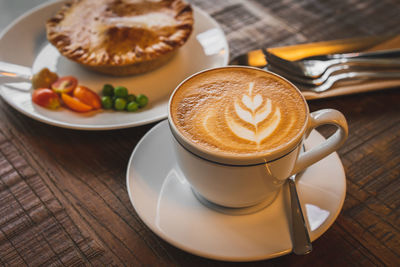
[317,118]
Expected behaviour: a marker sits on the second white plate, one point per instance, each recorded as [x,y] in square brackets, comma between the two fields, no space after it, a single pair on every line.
[24,43]
[163,199]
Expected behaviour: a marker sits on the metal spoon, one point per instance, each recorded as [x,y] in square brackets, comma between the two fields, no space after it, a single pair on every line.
[301,240]
[15,71]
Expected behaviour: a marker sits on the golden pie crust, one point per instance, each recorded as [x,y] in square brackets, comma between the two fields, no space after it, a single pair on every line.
[120,37]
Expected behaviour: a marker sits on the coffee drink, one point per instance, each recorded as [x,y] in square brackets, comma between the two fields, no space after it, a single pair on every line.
[238,111]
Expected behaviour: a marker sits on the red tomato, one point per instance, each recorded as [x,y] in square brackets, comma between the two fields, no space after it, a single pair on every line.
[46,97]
[65,84]
[87,96]
[75,104]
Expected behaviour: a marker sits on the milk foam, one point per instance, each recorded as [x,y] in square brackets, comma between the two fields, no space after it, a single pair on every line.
[253,117]
[238,111]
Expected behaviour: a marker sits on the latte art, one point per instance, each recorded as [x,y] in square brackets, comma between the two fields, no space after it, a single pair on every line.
[238,111]
[254,116]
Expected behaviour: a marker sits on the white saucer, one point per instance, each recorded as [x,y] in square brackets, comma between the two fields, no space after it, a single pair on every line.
[165,202]
[24,43]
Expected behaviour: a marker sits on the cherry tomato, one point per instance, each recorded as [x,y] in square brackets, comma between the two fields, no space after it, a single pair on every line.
[75,104]
[87,96]
[46,97]
[65,84]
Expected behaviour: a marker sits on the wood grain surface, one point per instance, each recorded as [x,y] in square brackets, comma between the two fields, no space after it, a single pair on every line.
[63,197]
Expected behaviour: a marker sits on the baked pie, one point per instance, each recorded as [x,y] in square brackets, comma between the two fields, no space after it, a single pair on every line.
[121,37]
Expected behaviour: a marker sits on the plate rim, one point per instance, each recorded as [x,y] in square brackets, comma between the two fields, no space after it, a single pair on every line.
[86,127]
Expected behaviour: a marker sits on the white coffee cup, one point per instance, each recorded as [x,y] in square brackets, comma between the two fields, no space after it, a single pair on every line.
[236,183]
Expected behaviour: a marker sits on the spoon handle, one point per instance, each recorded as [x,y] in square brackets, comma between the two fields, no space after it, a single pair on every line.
[14,71]
[301,240]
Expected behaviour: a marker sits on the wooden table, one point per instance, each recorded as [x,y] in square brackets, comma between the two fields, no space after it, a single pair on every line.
[63,194]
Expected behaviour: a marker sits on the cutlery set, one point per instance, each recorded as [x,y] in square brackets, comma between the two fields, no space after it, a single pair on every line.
[323,72]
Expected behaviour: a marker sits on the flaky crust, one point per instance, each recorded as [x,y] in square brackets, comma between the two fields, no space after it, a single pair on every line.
[106,33]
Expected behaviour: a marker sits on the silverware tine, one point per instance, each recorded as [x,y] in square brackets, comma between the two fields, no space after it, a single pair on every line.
[333,71]
[367,75]
[315,68]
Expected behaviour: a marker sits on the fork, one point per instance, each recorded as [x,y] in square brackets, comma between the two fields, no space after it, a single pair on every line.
[331,71]
[332,80]
[315,67]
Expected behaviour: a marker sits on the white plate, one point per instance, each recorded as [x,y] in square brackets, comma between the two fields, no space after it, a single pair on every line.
[163,199]
[24,43]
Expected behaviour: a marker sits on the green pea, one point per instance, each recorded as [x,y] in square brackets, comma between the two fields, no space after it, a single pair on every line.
[108,90]
[106,102]
[132,106]
[120,91]
[130,98]
[142,100]
[120,103]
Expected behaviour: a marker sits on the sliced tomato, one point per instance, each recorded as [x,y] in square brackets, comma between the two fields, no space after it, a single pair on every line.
[65,85]
[46,97]
[87,96]
[75,104]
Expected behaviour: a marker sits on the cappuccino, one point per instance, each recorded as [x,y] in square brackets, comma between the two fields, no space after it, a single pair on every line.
[238,111]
